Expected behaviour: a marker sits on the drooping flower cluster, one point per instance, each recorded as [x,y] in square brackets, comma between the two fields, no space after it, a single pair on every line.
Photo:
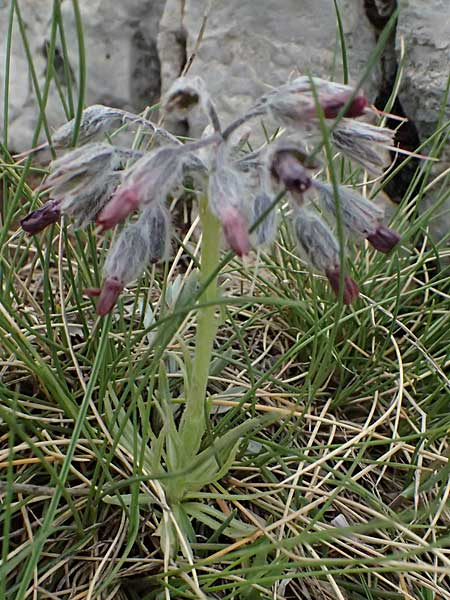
[80,183]
[101,183]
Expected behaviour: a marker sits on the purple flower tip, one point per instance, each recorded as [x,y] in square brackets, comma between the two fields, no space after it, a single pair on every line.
[40,218]
[357,108]
[384,239]
[351,290]
[235,229]
[332,106]
[124,202]
[287,169]
[108,295]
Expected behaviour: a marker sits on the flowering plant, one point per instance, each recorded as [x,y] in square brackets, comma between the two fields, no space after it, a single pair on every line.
[239,195]
[90,184]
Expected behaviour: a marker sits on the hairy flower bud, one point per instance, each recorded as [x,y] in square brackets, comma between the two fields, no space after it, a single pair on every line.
[287,169]
[265,232]
[83,208]
[384,239]
[82,181]
[39,219]
[185,94]
[319,247]
[123,203]
[295,103]
[317,244]
[149,180]
[160,168]
[235,229]
[107,295]
[129,255]
[361,217]
[334,96]
[351,290]
[95,120]
[138,244]
[155,222]
[305,84]
[90,159]
[226,192]
[363,143]
[71,173]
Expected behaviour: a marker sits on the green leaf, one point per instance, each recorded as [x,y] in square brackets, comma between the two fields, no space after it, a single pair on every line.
[120,426]
[187,294]
[184,522]
[172,438]
[214,462]
[215,519]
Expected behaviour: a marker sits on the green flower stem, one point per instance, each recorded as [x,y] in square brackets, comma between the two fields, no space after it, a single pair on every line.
[193,424]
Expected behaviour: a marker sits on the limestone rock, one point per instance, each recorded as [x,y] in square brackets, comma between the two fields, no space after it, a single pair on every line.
[121,56]
[425,28]
[172,53]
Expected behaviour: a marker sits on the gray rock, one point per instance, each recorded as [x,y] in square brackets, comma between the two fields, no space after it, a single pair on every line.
[121,55]
[248,46]
[22,106]
[172,53]
[425,28]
